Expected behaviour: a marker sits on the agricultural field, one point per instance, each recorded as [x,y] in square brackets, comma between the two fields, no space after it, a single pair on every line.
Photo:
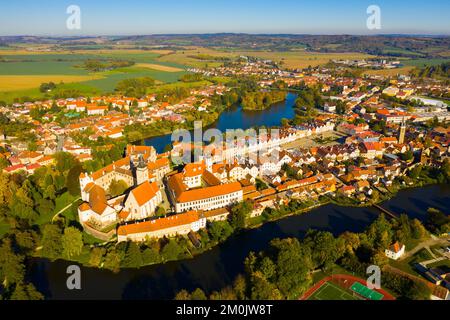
[22,72]
[187,57]
[11,83]
[390,72]
[303,59]
[290,59]
[424,62]
[158,67]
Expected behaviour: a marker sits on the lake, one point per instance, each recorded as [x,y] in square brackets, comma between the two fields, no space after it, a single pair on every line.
[218,267]
[237,118]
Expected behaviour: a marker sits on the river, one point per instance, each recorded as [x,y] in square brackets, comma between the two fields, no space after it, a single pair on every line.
[236,118]
[218,267]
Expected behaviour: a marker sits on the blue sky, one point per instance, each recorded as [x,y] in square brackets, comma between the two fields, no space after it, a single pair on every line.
[101,17]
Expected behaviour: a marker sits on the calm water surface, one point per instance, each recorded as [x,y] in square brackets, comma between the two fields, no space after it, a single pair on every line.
[236,118]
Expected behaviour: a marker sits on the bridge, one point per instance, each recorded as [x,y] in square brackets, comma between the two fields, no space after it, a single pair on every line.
[389,213]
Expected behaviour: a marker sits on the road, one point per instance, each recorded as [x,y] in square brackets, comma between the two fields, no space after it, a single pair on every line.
[60,145]
[426,245]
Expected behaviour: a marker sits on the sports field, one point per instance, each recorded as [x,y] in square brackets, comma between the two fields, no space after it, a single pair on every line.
[331,291]
[365,292]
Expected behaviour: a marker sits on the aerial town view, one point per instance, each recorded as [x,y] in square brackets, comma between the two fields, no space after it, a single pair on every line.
[225,150]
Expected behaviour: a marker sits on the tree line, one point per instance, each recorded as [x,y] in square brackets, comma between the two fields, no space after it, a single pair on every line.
[285,269]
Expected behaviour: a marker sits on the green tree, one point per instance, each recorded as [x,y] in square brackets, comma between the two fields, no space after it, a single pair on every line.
[172,250]
[150,256]
[72,242]
[379,234]
[239,214]
[117,187]
[323,248]
[183,295]
[220,230]
[51,241]
[25,239]
[133,256]
[26,292]
[263,289]
[240,287]
[96,256]
[64,162]
[72,180]
[12,268]
[293,266]
[112,261]
[198,294]
[418,290]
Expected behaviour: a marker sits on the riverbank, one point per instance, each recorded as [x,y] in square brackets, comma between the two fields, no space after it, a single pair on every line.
[295,208]
[217,267]
[207,121]
[235,117]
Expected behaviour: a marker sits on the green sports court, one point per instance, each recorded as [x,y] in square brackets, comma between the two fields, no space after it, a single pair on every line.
[331,291]
[365,292]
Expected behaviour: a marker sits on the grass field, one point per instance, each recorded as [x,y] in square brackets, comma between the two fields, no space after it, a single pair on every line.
[61,202]
[331,291]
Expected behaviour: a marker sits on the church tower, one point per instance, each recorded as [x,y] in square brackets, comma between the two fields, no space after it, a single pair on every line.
[401,136]
[141,171]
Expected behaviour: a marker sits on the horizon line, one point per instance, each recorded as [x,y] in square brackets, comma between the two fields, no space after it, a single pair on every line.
[230,33]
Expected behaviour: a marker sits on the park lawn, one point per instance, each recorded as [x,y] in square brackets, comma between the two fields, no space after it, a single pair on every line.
[61,202]
[331,291]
